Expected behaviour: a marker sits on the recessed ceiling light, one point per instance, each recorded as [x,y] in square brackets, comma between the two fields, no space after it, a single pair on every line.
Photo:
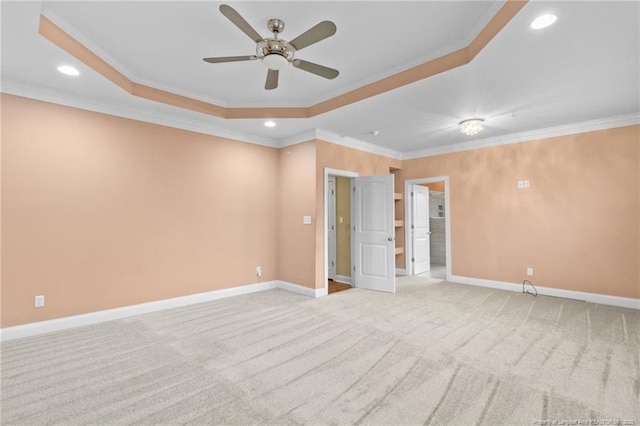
[270,123]
[472,126]
[68,70]
[543,21]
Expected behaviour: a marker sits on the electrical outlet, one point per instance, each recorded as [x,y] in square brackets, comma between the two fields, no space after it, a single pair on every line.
[530,272]
[38,301]
[527,184]
[520,184]
[259,271]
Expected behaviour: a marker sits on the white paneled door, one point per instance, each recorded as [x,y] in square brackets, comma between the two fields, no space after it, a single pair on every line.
[374,249]
[420,233]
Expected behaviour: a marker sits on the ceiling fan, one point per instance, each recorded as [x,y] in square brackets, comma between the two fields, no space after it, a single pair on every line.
[276,53]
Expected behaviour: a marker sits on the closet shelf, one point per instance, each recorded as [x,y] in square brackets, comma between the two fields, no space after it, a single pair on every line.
[399,250]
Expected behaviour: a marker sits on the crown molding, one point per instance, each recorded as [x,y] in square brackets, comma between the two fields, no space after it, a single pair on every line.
[531,135]
[350,142]
[147,115]
[334,138]
[305,136]
[202,126]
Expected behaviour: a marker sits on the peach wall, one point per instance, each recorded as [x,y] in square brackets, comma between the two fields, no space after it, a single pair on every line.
[436,186]
[101,212]
[342,158]
[296,244]
[577,226]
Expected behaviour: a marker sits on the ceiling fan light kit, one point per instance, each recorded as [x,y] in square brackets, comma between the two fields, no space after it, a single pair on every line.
[276,53]
[472,126]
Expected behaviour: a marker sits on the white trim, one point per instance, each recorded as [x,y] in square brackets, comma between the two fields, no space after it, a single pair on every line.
[297,288]
[549,132]
[334,172]
[350,142]
[306,136]
[65,323]
[333,247]
[147,115]
[602,299]
[401,271]
[407,228]
[343,279]
[58,324]
[201,123]
[334,138]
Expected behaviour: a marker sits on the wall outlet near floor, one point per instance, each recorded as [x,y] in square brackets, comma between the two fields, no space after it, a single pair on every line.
[530,272]
[259,271]
[38,301]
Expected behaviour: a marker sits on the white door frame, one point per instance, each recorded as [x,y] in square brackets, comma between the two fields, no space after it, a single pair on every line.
[325,184]
[331,218]
[407,228]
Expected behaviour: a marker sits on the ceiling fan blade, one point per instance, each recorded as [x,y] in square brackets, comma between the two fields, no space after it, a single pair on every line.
[316,69]
[239,22]
[230,59]
[272,79]
[321,31]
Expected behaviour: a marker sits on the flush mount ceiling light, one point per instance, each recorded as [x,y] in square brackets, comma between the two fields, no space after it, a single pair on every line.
[543,21]
[270,123]
[472,126]
[68,70]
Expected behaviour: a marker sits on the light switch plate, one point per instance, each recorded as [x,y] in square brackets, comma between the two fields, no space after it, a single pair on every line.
[306,220]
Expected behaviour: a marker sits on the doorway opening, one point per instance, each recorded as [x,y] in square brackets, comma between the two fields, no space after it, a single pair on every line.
[337,230]
[428,230]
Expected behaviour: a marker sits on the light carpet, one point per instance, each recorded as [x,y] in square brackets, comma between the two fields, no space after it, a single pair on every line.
[434,353]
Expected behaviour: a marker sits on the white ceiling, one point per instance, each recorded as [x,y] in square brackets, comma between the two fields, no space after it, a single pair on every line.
[585,67]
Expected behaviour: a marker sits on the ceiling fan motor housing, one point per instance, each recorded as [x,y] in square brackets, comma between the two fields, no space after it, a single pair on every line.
[275,53]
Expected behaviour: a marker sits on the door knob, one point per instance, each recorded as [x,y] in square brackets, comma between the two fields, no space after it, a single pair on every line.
[390,239]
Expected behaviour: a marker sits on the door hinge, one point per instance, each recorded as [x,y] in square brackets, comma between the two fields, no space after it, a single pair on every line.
[332,264]
[412,193]
[354,189]
[354,269]
[332,192]
[412,259]
[332,227]
[411,226]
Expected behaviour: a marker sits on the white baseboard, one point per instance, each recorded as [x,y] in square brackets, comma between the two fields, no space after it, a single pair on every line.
[401,271]
[297,288]
[602,299]
[59,324]
[343,279]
